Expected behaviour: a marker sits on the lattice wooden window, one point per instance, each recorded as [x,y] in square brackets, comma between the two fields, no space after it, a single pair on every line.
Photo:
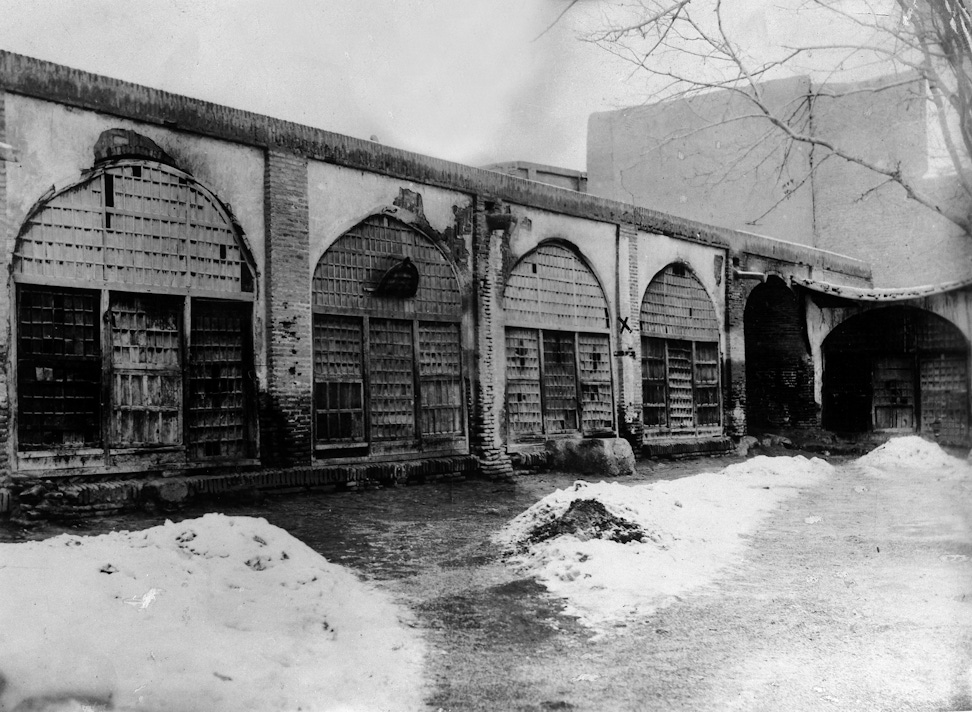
[219,389]
[552,287]
[597,404]
[680,356]
[440,379]
[523,407]
[387,367]
[559,380]
[392,379]
[152,242]
[59,368]
[558,367]
[708,409]
[135,223]
[654,384]
[339,379]
[146,370]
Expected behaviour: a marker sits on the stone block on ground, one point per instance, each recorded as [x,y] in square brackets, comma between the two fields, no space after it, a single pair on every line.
[609,457]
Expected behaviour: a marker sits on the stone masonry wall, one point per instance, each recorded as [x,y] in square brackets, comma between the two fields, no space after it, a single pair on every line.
[286,406]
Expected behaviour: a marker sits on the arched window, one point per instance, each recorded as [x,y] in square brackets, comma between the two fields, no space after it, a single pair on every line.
[387,344]
[679,356]
[558,364]
[134,300]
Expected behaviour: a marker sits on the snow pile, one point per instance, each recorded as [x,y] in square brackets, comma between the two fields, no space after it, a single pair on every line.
[911,452]
[675,535]
[216,613]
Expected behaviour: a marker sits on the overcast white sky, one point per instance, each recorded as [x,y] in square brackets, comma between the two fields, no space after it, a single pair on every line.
[464,80]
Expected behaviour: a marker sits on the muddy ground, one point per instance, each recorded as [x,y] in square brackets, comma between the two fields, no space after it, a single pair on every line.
[868,607]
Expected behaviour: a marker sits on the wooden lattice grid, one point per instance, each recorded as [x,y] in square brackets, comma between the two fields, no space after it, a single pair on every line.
[219,395]
[597,405]
[338,378]
[137,224]
[523,382]
[559,379]
[349,271]
[59,368]
[676,306]
[553,288]
[392,404]
[440,378]
[146,368]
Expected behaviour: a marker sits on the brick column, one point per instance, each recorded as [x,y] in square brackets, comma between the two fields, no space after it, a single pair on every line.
[7,236]
[487,443]
[629,339]
[286,405]
[734,379]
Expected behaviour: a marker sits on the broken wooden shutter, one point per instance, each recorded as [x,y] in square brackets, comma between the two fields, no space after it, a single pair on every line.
[58,368]
[338,379]
[218,381]
[146,370]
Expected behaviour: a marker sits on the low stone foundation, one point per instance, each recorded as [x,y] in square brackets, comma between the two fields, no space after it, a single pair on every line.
[59,499]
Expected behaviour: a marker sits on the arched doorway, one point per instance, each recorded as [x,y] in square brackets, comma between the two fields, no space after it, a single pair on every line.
[558,352]
[779,369]
[897,370]
[387,345]
[680,370]
[134,324]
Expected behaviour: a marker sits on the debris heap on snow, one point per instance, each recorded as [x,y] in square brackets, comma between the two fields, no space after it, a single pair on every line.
[616,551]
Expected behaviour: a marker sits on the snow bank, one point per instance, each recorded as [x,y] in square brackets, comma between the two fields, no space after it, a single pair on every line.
[692,532]
[216,613]
[911,452]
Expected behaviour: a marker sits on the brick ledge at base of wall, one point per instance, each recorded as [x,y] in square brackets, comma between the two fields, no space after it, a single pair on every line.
[50,499]
[674,447]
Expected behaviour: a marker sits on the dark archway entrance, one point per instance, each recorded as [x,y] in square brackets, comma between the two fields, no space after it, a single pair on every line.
[779,368]
[897,370]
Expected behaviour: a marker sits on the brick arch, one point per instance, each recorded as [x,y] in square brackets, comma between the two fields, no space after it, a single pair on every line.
[387,338]
[779,368]
[897,369]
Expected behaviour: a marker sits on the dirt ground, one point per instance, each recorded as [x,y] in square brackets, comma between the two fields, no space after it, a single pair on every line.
[855,595]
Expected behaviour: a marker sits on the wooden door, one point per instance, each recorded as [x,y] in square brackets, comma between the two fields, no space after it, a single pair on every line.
[893,384]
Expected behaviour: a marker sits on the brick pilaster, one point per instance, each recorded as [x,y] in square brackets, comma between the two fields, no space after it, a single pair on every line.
[286,405]
[487,271]
[734,378]
[629,338]
[7,237]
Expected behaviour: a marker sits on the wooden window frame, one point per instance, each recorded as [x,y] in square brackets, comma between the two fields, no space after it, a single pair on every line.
[420,443]
[697,428]
[545,432]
